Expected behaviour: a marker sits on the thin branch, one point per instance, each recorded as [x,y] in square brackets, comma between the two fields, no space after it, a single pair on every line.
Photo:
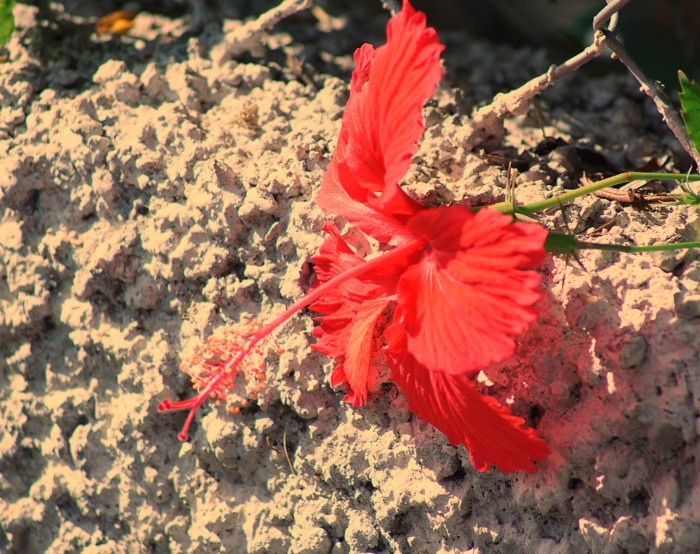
[650,87]
[609,13]
[244,38]
[392,6]
[487,122]
[654,91]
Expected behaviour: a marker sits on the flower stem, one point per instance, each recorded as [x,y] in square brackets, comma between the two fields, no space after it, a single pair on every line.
[560,243]
[556,201]
[635,249]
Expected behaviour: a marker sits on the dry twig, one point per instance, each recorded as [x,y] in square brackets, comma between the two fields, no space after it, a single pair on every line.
[487,122]
[391,5]
[247,36]
[648,86]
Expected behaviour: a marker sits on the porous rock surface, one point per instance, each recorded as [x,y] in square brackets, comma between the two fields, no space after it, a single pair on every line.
[152,192]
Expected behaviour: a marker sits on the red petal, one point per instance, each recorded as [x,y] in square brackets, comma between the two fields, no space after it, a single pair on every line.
[348,336]
[486,239]
[338,376]
[351,201]
[358,367]
[452,405]
[335,257]
[383,118]
[381,125]
[463,303]
[352,312]
[333,332]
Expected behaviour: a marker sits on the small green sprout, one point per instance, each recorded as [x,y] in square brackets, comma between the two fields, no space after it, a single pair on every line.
[7,21]
[688,196]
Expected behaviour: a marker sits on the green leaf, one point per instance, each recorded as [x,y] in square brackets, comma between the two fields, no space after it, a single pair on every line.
[7,21]
[690,101]
[688,196]
[559,243]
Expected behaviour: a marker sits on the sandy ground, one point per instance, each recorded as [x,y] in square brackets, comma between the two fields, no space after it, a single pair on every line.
[154,188]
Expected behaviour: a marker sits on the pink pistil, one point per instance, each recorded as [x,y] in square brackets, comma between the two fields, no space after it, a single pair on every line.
[216,371]
[191,404]
[221,372]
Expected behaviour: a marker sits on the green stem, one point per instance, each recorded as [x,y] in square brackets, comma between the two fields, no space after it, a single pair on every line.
[635,249]
[560,243]
[556,201]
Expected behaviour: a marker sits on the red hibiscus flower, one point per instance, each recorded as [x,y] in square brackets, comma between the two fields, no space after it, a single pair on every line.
[452,302]
[444,295]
